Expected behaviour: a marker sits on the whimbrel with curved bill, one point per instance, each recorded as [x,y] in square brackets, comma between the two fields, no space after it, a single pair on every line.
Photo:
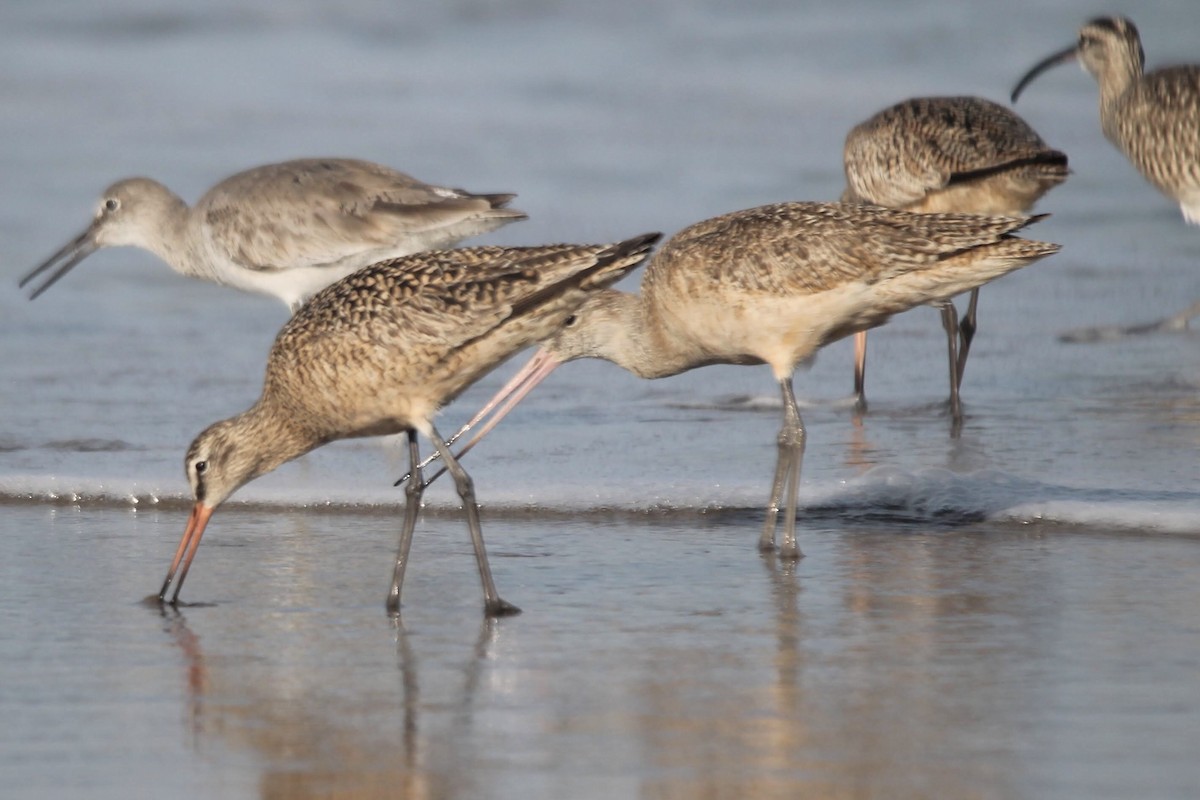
[1151,117]
[947,154]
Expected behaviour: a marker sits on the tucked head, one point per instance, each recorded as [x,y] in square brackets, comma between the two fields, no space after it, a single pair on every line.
[134,211]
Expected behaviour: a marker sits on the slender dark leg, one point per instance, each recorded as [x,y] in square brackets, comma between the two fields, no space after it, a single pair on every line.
[966,332]
[793,433]
[493,606]
[950,323]
[790,444]
[860,372]
[412,507]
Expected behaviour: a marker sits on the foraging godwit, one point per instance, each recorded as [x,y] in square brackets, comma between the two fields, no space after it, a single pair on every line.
[287,229]
[772,285]
[957,154]
[380,352]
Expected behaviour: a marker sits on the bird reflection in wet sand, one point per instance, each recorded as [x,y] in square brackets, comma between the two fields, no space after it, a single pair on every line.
[313,742]
[379,353]
[772,285]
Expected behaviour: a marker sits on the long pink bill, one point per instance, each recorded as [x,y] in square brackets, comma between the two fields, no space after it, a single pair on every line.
[188,546]
[534,372]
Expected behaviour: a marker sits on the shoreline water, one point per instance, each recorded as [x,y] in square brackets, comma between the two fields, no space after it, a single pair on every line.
[1011,613]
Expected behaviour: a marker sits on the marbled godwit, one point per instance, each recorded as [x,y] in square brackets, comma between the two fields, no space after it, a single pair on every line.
[286,229]
[947,154]
[772,285]
[379,352]
[1154,118]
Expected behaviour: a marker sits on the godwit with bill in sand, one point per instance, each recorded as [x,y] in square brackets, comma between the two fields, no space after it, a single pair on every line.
[772,285]
[947,154]
[379,353]
[1151,117]
[286,229]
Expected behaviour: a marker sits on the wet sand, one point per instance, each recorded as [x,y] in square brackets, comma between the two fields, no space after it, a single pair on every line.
[660,658]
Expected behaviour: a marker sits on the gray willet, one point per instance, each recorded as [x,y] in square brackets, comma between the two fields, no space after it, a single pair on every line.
[287,229]
[1153,118]
[947,154]
[772,285]
[379,353]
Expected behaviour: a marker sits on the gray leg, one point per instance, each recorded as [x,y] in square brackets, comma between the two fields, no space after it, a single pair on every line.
[493,606]
[790,444]
[966,332]
[860,372]
[950,323]
[793,432]
[412,507]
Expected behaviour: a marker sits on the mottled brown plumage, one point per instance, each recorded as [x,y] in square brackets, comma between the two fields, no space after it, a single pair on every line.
[958,154]
[381,351]
[947,154]
[772,285]
[1153,118]
[286,229]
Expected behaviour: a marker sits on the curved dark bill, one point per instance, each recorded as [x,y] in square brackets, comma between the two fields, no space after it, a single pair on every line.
[73,252]
[1070,54]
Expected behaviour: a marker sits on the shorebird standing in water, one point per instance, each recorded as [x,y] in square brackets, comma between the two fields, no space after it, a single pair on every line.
[379,353]
[947,154]
[1151,117]
[772,285]
[286,230]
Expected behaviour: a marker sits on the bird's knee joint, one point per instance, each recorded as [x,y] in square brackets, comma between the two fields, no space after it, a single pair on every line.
[791,437]
[465,485]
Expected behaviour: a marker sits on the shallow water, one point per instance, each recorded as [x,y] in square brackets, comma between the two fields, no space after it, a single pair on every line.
[1005,614]
[654,658]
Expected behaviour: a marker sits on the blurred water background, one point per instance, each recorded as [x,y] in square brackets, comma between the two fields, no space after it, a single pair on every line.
[1019,599]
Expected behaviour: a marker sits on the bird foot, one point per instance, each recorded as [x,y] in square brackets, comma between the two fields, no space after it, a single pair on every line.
[392,604]
[500,608]
[790,553]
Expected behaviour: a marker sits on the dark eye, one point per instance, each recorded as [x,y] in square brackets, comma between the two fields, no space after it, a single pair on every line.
[569,321]
[111,204]
[201,467]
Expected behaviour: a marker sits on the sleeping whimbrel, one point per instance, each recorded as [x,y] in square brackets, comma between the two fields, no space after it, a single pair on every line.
[956,154]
